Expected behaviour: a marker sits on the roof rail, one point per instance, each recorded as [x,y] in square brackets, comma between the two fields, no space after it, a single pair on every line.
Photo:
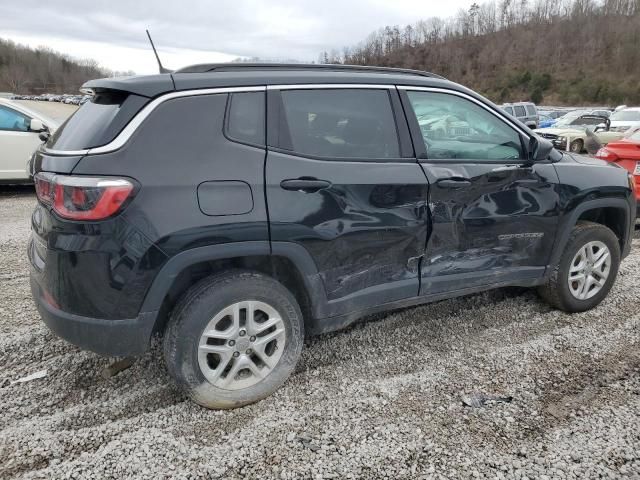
[210,67]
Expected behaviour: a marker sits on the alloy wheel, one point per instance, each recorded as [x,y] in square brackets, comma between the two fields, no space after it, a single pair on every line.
[241,345]
[589,270]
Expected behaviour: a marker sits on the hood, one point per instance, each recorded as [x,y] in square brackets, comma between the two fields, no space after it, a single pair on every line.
[585,160]
[560,131]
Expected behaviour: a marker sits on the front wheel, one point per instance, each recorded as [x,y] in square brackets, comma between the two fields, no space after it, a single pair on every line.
[234,339]
[576,146]
[586,271]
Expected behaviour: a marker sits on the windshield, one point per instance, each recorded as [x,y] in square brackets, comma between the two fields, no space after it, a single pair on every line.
[626,115]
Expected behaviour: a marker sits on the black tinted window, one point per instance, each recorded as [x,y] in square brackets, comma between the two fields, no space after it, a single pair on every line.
[86,128]
[245,119]
[589,120]
[338,123]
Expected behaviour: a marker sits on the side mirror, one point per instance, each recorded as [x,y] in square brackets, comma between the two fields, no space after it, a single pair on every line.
[36,125]
[539,149]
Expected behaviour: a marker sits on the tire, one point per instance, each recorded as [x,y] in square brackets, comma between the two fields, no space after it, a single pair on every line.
[254,365]
[558,289]
[576,146]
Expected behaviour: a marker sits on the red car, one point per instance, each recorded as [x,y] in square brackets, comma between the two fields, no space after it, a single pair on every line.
[626,153]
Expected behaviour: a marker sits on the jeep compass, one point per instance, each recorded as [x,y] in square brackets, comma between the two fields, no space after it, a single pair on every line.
[232,209]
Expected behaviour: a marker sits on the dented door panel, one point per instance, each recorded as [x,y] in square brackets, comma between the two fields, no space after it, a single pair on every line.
[496,225]
[365,231]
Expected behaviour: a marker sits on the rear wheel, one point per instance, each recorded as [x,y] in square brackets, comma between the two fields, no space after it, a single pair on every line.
[234,339]
[586,271]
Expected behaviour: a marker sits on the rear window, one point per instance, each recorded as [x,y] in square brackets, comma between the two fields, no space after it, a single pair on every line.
[337,123]
[519,109]
[589,120]
[97,122]
[246,117]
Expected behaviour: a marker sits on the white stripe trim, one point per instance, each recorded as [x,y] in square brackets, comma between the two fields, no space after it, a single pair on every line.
[327,86]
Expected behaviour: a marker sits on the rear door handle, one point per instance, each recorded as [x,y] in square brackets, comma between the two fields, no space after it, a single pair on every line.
[303,184]
[453,182]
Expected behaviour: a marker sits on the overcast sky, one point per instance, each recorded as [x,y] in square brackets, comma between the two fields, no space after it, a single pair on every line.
[195,31]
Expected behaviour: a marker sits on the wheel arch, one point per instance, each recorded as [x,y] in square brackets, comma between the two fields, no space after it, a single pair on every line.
[287,262]
[613,213]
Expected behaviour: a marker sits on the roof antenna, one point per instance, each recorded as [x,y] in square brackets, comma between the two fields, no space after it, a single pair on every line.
[162,69]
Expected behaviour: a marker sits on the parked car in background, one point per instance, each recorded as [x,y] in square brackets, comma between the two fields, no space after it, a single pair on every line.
[626,153]
[544,120]
[20,130]
[624,119]
[569,133]
[526,112]
[551,116]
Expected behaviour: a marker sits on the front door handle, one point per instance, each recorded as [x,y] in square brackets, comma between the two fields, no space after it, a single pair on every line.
[303,184]
[453,182]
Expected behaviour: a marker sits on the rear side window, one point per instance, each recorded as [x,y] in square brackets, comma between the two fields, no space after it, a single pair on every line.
[509,110]
[519,109]
[246,117]
[340,123]
[531,110]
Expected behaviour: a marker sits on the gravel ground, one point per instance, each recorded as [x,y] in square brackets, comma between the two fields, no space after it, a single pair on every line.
[380,400]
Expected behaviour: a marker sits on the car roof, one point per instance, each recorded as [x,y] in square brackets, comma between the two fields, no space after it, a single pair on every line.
[241,74]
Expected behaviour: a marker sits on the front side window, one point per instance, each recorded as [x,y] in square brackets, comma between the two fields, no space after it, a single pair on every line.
[340,123]
[246,117]
[13,121]
[519,111]
[531,110]
[454,127]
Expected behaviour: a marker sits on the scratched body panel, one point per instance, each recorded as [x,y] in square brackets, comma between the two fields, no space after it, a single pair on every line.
[501,223]
[361,231]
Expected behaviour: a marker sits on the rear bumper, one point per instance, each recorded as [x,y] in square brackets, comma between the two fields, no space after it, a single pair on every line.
[115,338]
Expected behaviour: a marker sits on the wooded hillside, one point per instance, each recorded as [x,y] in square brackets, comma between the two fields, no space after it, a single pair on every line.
[549,51]
[25,70]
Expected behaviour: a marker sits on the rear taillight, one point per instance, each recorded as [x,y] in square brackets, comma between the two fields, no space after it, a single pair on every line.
[83,198]
[606,154]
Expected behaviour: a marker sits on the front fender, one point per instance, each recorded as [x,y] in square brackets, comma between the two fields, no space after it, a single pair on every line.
[571,219]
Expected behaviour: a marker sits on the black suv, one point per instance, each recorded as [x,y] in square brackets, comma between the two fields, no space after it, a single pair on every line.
[235,208]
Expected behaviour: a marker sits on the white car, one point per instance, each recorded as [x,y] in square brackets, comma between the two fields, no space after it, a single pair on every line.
[624,119]
[20,130]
